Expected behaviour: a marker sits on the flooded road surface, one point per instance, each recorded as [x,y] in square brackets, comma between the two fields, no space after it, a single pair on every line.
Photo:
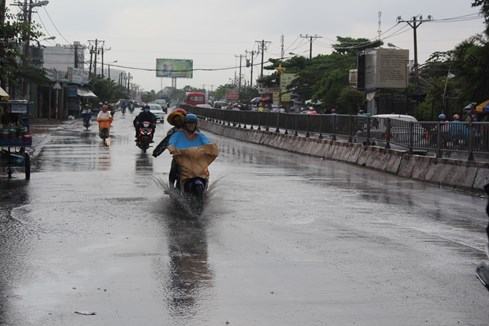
[284,240]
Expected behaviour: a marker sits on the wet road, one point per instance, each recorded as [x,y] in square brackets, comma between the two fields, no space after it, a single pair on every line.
[284,240]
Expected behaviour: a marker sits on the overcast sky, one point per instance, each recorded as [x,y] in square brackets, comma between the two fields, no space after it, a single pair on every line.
[212,32]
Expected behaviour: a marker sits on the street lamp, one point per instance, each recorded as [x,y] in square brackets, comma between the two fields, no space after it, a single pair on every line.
[391,45]
[39,4]
[45,39]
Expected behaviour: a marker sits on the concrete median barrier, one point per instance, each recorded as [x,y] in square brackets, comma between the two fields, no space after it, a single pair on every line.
[448,172]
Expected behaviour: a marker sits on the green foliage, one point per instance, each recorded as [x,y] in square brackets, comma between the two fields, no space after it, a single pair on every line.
[325,76]
[246,95]
[107,89]
[150,96]
[12,35]
[484,4]
[471,66]
[220,92]
[350,101]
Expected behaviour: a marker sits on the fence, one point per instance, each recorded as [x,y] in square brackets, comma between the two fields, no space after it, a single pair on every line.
[415,136]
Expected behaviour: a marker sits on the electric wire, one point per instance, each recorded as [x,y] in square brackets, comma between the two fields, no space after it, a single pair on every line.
[43,25]
[456,19]
[54,25]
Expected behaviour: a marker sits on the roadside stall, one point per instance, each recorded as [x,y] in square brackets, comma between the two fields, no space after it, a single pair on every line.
[15,136]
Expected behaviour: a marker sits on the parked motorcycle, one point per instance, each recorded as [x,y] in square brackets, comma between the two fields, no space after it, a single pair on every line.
[145,136]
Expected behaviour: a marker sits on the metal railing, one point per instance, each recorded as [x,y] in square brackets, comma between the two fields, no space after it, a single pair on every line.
[438,138]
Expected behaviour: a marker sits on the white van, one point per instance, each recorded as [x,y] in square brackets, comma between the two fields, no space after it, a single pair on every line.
[400,128]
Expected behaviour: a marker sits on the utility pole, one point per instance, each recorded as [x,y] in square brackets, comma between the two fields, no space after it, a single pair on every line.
[3,39]
[91,62]
[251,65]
[75,45]
[282,49]
[129,77]
[95,59]
[27,39]
[3,9]
[311,39]
[97,47]
[103,67]
[379,30]
[262,45]
[414,23]
[240,69]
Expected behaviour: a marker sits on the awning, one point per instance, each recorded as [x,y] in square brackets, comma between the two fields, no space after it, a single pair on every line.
[84,92]
[3,95]
[482,107]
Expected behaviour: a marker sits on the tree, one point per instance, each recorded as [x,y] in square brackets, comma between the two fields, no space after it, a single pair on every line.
[484,4]
[12,36]
[150,96]
[325,76]
[107,89]
[350,101]
[471,66]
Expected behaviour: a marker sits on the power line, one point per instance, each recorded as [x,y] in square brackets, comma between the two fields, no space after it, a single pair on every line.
[462,18]
[188,70]
[43,25]
[54,25]
[400,31]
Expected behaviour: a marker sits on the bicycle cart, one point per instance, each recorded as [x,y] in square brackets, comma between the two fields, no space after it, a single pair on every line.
[15,137]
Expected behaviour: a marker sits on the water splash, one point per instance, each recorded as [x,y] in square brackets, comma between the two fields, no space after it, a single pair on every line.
[183,203]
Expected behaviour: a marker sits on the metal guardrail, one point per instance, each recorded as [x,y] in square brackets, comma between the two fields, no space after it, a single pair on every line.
[414,136]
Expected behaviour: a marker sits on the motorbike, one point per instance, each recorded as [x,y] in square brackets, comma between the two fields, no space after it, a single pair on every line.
[193,180]
[104,131]
[86,120]
[194,191]
[145,136]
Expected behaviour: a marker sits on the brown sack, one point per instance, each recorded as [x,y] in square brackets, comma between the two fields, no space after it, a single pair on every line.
[193,162]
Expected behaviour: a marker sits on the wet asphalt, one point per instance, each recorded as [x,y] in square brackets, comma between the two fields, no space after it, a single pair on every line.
[284,240]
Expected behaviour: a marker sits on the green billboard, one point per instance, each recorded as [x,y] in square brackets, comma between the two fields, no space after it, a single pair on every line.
[174,68]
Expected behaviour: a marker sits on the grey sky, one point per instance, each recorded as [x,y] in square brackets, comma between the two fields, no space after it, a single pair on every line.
[211,32]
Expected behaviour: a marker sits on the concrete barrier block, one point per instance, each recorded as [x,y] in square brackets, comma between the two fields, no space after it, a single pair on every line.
[375,159]
[355,153]
[482,178]
[363,156]
[456,174]
[343,152]
[393,162]
[407,166]
[330,150]
[316,148]
[420,168]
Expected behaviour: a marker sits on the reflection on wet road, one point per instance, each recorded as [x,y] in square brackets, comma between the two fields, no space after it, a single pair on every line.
[284,240]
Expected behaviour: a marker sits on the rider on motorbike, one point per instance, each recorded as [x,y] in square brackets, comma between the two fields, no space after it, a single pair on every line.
[190,138]
[86,113]
[104,118]
[176,119]
[145,115]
